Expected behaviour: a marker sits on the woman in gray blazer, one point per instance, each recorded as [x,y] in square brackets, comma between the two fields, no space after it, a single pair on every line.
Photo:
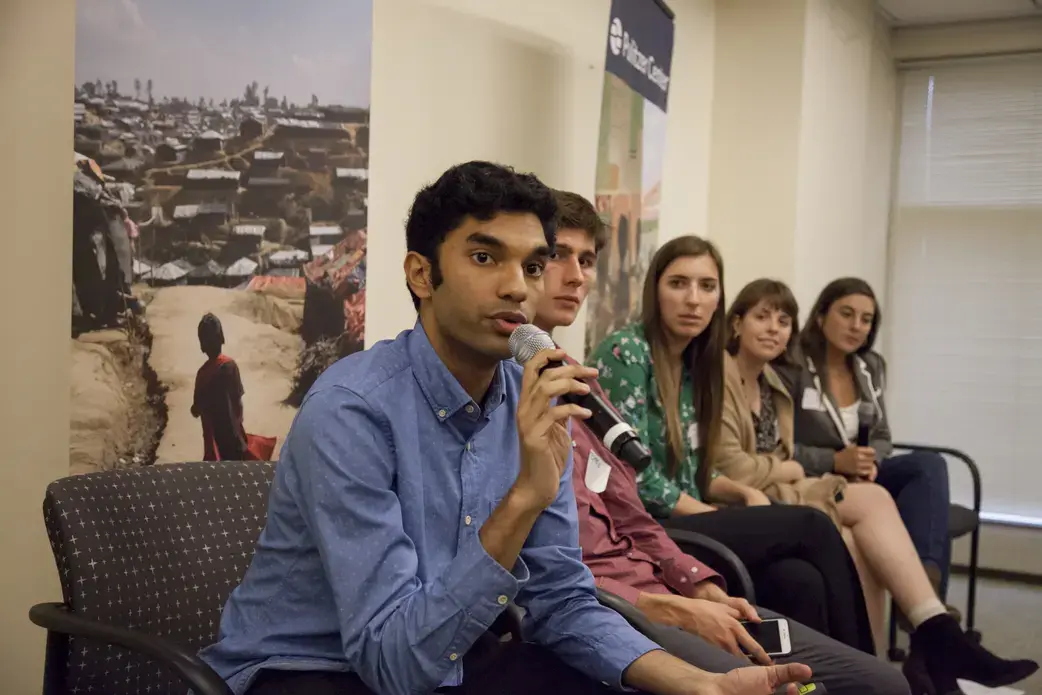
[837,386]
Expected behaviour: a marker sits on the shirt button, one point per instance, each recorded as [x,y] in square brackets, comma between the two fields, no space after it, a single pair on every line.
[694,570]
[467,520]
[503,600]
[470,409]
[441,413]
[683,580]
[469,447]
[453,656]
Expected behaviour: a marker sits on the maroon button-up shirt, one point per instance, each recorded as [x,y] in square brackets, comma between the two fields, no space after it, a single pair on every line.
[625,548]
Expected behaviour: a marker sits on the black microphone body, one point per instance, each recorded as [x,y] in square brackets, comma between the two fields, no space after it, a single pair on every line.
[866,415]
[614,432]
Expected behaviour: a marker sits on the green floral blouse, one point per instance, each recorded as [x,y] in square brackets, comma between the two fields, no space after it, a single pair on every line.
[624,361]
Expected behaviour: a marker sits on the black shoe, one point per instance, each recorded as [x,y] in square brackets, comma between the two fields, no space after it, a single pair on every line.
[947,653]
[919,680]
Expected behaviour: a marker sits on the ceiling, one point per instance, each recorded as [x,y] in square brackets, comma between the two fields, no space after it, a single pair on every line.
[910,12]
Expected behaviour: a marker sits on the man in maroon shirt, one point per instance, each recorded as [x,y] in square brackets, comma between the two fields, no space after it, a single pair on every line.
[631,555]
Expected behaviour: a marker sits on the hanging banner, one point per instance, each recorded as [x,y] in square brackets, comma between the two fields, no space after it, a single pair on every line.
[629,157]
[220,182]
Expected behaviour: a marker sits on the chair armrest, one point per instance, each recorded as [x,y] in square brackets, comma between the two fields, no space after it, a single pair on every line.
[718,556]
[57,617]
[633,615]
[956,454]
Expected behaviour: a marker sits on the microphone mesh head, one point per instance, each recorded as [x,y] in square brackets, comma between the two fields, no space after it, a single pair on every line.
[527,340]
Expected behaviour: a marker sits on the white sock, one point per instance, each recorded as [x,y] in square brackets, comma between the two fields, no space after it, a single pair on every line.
[926,610]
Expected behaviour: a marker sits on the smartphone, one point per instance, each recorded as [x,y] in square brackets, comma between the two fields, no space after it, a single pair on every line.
[772,635]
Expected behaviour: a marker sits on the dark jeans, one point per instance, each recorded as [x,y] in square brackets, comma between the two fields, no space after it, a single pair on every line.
[490,668]
[918,482]
[799,564]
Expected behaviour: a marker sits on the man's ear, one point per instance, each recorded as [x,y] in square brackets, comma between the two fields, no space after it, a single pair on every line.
[418,274]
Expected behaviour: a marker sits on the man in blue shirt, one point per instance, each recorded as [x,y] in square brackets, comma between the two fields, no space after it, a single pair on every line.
[426,484]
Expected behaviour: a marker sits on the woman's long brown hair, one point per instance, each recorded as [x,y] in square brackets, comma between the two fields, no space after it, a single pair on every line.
[703,358]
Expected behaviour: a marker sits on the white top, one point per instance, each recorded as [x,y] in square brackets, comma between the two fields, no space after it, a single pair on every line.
[849,417]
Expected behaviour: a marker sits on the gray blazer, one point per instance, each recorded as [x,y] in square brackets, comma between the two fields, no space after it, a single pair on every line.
[819,431]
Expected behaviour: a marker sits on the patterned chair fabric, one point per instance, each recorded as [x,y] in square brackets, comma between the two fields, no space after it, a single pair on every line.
[155,549]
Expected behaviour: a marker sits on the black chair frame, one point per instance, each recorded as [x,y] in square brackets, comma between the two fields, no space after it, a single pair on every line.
[894,652]
[62,623]
[720,558]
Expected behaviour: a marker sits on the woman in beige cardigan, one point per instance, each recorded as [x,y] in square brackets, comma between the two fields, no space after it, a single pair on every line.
[756,448]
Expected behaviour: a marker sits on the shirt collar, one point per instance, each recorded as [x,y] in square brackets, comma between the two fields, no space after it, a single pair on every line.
[444,394]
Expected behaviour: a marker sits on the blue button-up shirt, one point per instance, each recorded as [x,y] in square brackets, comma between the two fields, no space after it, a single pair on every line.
[370,560]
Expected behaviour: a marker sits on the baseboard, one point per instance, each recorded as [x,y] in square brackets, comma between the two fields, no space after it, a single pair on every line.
[1001,575]
[1005,552]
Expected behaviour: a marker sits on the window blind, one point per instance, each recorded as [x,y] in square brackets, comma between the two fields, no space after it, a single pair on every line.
[964,324]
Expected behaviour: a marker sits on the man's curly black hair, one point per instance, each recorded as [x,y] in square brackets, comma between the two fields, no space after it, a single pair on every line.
[475,189]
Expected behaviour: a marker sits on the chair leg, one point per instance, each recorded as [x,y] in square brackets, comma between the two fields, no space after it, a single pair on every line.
[894,653]
[971,583]
[56,664]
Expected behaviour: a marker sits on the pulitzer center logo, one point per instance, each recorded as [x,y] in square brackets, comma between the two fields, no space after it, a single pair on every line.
[615,36]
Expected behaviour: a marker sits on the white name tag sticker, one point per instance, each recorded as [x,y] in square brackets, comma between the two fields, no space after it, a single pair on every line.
[811,399]
[692,435]
[597,473]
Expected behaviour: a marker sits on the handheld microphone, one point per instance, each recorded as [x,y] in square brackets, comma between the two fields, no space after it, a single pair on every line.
[614,432]
[866,416]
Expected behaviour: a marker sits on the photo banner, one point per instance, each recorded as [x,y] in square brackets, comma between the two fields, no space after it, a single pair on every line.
[220,188]
[630,154]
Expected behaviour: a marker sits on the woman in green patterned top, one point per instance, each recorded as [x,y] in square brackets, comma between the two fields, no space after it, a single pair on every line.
[678,343]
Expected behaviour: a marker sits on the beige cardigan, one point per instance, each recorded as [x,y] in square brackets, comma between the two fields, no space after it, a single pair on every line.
[736,455]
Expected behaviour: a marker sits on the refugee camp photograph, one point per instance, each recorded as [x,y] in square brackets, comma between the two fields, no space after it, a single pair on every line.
[220,187]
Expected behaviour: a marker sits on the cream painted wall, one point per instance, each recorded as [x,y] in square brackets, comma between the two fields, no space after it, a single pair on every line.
[846,148]
[802,142]
[518,83]
[453,82]
[756,106]
[36,57]
[685,183]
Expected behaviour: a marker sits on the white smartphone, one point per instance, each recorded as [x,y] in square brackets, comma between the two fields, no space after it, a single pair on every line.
[772,635]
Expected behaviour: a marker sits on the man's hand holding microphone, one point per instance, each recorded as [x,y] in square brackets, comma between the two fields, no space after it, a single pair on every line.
[544,448]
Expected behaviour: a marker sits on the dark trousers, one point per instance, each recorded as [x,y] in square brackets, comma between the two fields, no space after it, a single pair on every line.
[799,564]
[843,670]
[490,668]
[918,482]
[527,669]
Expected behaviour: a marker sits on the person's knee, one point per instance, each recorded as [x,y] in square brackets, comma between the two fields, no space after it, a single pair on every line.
[932,466]
[795,577]
[811,519]
[876,496]
[887,680]
[815,526]
[856,673]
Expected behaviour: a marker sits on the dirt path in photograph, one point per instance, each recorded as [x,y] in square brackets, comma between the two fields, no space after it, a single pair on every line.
[257,336]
